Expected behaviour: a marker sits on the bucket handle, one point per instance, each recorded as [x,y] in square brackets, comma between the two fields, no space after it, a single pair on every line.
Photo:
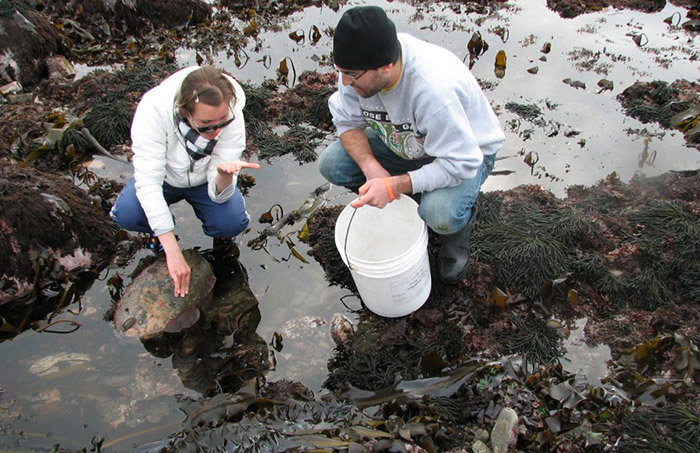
[345,245]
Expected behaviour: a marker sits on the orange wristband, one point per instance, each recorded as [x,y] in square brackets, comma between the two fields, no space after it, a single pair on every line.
[388,189]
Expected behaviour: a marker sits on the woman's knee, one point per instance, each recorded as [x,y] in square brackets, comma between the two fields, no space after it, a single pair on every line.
[235,228]
[226,225]
[128,213]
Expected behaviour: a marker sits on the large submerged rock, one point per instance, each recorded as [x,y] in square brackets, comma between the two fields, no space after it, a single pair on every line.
[149,307]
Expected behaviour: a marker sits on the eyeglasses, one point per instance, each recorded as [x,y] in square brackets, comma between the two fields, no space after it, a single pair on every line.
[354,78]
[212,127]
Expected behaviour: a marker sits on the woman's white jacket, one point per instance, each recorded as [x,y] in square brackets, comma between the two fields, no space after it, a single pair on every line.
[160,154]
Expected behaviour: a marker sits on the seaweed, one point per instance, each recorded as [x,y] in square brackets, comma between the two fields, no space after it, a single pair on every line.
[299,141]
[110,122]
[674,428]
[649,289]
[534,339]
[256,101]
[669,252]
[655,101]
[524,257]
[324,250]
[318,112]
[370,369]
[450,341]
[592,268]
[489,206]
[527,111]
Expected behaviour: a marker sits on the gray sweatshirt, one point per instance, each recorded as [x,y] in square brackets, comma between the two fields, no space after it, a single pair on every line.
[437,109]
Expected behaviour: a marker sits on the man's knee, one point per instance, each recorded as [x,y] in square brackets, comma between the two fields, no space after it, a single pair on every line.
[444,218]
[326,167]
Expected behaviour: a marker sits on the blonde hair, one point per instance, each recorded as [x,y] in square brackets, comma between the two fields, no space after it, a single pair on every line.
[206,84]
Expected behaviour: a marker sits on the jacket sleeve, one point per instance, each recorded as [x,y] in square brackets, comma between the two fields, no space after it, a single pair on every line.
[230,146]
[451,137]
[149,145]
[345,108]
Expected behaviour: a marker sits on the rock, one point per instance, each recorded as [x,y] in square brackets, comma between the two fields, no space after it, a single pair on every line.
[505,431]
[479,447]
[149,307]
[481,435]
[27,38]
[342,330]
[43,215]
[11,88]
[60,67]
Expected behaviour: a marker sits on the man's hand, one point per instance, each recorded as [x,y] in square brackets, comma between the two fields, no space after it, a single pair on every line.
[373,193]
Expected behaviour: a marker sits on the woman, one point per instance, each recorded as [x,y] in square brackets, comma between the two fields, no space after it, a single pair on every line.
[187,135]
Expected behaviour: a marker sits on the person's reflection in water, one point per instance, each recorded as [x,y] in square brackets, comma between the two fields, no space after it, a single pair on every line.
[222,351]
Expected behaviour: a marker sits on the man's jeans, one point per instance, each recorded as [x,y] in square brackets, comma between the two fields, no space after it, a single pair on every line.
[446,210]
[225,220]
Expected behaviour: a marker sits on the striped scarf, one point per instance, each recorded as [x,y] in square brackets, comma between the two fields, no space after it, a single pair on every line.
[196,145]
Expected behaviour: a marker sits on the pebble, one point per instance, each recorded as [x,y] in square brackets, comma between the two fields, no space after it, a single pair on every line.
[480,447]
[342,330]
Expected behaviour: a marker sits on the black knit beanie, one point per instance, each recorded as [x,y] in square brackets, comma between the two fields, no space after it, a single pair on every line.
[365,38]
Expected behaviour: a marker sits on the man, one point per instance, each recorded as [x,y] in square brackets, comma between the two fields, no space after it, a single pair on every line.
[412,119]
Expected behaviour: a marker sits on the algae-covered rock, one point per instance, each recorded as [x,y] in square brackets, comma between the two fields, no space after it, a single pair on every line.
[149,307]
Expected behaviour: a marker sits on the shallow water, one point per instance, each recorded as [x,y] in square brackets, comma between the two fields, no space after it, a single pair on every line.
[116,389]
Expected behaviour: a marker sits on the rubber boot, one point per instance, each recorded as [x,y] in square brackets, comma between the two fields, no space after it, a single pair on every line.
[453,258]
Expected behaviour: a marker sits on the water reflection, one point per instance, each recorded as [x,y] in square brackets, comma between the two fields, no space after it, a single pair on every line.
[590,361]
[223,351]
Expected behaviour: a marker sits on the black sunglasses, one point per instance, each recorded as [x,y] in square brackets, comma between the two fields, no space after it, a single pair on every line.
[212,127]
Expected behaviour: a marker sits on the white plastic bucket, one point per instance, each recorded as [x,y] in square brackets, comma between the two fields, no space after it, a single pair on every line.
[387,253]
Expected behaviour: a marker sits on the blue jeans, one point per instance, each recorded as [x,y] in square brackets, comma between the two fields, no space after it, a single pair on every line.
[445,210]
[226,219]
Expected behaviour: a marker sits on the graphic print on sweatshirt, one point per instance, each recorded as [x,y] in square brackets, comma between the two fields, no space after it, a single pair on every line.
[400,138]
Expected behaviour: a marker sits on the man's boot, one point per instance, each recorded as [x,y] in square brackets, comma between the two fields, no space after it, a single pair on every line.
[453,258]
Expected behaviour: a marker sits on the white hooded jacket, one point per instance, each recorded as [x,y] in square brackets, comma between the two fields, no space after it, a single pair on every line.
[160,154]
